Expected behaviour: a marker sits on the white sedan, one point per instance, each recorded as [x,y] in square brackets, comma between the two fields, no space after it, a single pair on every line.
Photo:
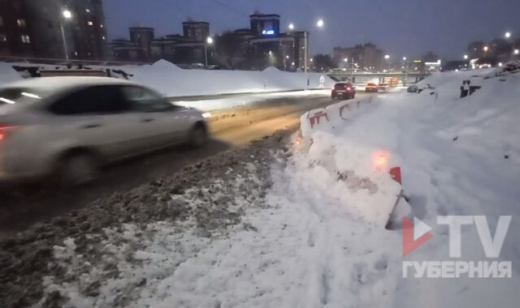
[71,126]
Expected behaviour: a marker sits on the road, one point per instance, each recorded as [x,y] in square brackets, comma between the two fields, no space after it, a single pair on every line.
[23,206]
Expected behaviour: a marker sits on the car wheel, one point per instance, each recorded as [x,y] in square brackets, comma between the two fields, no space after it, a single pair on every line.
[198,136]
[77,169]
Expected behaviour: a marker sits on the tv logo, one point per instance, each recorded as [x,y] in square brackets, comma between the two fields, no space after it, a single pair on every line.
[417,233]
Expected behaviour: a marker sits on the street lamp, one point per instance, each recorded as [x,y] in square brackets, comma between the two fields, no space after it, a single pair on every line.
[291,26]
[466,57]
[386,58]
[486,48]
[320,24]
[517,52]
[508,35]
[209,41]
[66,15]
[407,68]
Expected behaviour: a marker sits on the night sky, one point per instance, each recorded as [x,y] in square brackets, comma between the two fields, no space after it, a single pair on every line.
[399,27]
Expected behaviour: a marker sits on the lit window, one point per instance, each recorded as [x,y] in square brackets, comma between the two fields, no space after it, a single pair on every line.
[21,23]
[26,39]
[90,23]
[3,38]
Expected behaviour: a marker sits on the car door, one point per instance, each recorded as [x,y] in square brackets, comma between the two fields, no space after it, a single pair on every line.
[96,117]
[161,122]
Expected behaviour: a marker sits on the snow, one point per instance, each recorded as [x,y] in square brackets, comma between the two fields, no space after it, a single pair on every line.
[459,157]
[318,239]
[172,81]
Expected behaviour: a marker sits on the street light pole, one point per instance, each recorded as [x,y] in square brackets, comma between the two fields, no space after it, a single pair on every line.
[208,41]
[67,15]
[65,49]
[306,55]
[407,68]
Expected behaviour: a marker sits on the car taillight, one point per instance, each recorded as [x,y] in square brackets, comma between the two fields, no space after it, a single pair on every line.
[349,89]
[4,130]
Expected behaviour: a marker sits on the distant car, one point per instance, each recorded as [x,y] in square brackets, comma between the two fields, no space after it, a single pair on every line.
[343,90]
[372,87]
[413,89]
[71,126]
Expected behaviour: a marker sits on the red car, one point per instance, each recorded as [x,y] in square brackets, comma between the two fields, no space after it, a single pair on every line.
[343,90]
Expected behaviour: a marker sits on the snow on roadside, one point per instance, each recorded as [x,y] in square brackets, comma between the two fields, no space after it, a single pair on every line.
[459,157]
[172,81]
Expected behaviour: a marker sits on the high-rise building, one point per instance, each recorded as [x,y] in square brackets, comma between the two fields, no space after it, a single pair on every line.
[15,36]
[265,24]
[195,30]
[364,57]
[80,37]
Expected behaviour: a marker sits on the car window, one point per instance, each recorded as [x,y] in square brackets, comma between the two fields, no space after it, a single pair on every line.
[144,100]
[12,96]
[91,100]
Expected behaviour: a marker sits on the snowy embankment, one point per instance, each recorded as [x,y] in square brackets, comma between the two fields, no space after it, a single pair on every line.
[172,81]
[458,157]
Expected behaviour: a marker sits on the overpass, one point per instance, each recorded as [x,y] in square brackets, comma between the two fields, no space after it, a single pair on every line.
[362,78]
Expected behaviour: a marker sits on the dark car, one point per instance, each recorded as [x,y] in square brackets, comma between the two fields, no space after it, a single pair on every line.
[343,90]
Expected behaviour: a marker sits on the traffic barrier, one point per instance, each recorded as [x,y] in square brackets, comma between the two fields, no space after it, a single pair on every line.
[330,116]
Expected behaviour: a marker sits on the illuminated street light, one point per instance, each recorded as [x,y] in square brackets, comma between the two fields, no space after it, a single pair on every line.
[287,57]
[345,60]
[320,24]
[291,26]
[508,35]
[404,58]
[387,57]
[486,48]
[517,51]
[67,14]
[466,57]
[209,41]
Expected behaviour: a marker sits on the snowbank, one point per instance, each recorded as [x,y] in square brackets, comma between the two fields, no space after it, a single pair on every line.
[171,80]
[458,156]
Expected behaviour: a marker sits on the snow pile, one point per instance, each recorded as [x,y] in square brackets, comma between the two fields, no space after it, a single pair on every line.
[170,80]
[459,157]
